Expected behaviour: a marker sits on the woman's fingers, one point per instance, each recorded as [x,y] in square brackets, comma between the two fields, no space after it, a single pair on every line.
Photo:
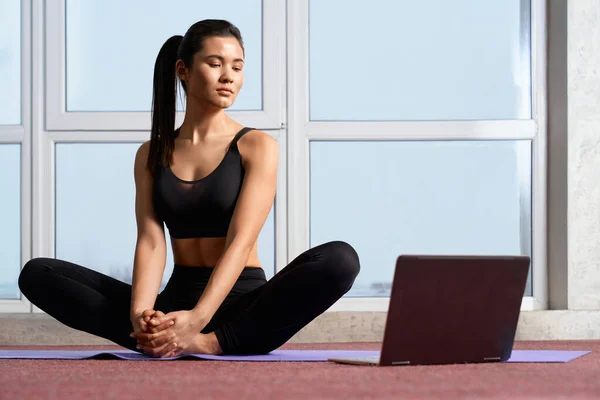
[143,326]
[165,339]
[157,317]
[158,346]
[159,352]
[156,314]
[153,339]
[168,350]
[158,320]
[175,353]
[161,327]
[148,315]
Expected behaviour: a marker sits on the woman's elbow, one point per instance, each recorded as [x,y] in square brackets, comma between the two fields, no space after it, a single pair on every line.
[242,246]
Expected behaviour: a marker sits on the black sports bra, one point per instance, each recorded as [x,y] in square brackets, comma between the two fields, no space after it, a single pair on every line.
[204,207]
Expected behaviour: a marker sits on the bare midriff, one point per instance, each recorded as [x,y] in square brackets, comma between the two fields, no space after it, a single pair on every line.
[205,252]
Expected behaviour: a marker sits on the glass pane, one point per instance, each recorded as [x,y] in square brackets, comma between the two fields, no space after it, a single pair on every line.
[419,60]
[95,215]
[266,245]
[10,62]
[392,198]
[112,69]
[10,215]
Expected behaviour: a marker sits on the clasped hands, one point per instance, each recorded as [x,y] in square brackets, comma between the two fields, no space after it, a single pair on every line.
[166,335]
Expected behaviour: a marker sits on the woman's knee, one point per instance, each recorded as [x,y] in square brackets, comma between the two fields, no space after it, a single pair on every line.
[343,258]
[30,272]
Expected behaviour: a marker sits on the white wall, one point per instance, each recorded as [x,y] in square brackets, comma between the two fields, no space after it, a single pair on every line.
[583,155]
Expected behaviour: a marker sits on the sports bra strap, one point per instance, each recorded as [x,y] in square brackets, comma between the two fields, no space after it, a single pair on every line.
[240,134]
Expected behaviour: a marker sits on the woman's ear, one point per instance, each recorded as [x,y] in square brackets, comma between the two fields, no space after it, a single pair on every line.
[181,70]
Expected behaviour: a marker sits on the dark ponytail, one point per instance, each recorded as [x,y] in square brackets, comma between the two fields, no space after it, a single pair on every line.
[164,97]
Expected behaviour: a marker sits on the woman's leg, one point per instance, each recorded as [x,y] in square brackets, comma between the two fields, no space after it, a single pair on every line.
[267,317]
[80,298]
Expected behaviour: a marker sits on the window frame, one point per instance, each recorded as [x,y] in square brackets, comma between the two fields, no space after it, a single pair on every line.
[21,134]
[58,119]
[43,125]
[301,131]
[126,127]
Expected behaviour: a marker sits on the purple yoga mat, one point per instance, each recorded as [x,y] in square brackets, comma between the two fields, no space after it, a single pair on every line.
[276,355]
[518,356]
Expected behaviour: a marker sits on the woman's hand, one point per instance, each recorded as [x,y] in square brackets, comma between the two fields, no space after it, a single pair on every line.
[139,321]
[141,324]
[156,321]
[179,338]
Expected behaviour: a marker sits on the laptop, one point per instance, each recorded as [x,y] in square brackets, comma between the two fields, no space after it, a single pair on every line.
[451,310]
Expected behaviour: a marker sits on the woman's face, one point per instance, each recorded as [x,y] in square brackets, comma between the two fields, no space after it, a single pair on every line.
[217,72]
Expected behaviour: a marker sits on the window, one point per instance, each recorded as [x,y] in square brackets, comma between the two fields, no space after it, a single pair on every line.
[451,197]
[10,215]
[15,202]
[421,99]
[10,62]
[107,73]
[419,60]
[97,116]
[408,124]
[101,79]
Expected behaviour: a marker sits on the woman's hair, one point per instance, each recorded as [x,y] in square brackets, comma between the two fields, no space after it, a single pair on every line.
[164,92]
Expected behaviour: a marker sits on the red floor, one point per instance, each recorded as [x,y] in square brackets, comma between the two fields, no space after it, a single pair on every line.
[95,379]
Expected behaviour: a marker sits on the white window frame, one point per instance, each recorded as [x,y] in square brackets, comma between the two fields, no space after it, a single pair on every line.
[301,131]
[104,127]
[59,119]
[43,126]
[21,134]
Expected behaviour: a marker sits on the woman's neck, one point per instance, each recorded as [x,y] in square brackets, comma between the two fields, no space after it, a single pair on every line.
[201,122]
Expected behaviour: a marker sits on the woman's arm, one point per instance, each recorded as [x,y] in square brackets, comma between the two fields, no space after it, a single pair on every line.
[150,250]
[260,157]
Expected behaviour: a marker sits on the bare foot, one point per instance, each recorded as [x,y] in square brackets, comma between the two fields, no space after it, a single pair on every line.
[206,344]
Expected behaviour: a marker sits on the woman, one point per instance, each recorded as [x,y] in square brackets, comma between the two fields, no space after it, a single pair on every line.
[212,183]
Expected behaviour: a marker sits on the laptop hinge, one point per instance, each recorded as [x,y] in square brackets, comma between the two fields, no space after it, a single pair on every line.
[491,358]
[400,362]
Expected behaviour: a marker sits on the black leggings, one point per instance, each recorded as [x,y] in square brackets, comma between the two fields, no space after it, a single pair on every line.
[257,316]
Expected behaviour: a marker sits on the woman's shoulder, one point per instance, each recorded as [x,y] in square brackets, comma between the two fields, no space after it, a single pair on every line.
[141,155]
[257,140]
[141,159]
[258,146]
